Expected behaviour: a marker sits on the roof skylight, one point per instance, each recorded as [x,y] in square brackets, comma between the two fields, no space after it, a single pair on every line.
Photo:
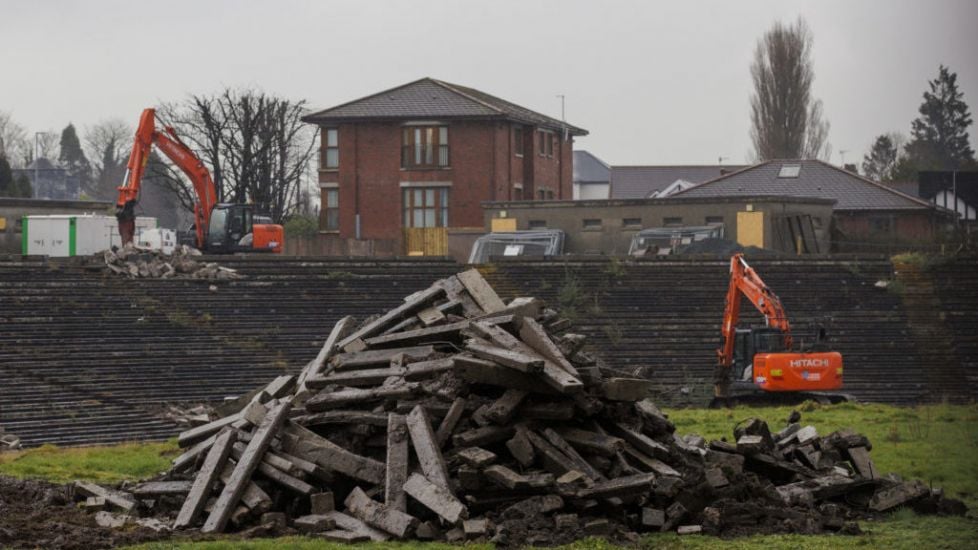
[789,171]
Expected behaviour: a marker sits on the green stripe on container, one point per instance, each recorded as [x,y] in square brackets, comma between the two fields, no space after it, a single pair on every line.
[72,236]
[23,235]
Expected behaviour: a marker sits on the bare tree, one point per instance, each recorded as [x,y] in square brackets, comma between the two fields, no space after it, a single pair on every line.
[47,145]
[107,145]
[255,145]
[13,141]
[786,122]
[201,125]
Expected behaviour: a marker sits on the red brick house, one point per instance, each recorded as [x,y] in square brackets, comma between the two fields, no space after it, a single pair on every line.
[415,161]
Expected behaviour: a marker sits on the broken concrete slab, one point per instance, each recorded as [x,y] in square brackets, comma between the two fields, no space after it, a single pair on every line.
[426,448]
[435,498]
[379,515]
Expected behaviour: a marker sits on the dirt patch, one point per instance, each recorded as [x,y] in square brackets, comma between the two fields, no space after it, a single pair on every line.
[37,514]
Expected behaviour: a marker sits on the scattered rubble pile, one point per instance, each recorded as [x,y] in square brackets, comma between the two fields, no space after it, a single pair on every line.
[187,417]
[456,416]
[146,263]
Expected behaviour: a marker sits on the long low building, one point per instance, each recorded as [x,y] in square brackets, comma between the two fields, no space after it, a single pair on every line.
[607,226]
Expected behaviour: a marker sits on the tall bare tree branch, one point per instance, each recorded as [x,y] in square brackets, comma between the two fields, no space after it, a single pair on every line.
[786,122]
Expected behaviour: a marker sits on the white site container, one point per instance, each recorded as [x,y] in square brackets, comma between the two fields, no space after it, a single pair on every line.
[157,238]
[63,235]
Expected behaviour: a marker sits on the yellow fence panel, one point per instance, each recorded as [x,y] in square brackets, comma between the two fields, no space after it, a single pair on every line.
[426,241]
[750,229]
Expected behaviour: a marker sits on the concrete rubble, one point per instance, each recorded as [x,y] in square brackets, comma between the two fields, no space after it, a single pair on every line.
[184,263]
[459,417]
[8,441]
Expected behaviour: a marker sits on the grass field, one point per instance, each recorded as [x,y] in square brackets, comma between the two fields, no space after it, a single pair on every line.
[935,443]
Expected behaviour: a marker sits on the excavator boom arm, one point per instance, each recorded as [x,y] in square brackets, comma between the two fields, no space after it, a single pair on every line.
[189,163]
[744,281]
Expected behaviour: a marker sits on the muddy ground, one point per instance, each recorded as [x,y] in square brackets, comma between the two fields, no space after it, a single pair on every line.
[37,514]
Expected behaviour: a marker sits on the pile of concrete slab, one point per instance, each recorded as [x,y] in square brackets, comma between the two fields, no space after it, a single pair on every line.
[146,263]
[456,416]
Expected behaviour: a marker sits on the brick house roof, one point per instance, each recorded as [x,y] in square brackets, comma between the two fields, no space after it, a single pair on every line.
[814,178]
[589,168]
[431,98]
[639,182]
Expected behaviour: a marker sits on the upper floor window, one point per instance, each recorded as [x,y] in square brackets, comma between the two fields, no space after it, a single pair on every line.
[672,221]
[424,147]
[546,143]
[518,140]
[331,149]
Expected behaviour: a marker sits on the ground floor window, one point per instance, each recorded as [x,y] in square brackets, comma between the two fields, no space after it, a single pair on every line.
[331,209]
[425,206]
[880,225]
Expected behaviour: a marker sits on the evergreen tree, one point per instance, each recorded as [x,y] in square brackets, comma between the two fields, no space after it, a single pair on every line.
[6,178]
[22,187]
[881,161]
[939,136]
[72,157]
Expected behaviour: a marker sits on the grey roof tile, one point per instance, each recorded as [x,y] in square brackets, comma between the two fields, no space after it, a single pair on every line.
[430,98]
[590,169]
[638,182]
[815,179]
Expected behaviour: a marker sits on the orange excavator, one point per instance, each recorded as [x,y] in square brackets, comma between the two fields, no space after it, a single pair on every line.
[219,228]
[765,358]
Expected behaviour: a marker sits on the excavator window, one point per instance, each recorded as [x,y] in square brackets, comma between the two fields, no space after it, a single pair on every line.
[239,224]
[218,225]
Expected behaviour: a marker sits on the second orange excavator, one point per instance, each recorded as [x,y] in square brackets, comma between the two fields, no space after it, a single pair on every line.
[219,228]
[768,358]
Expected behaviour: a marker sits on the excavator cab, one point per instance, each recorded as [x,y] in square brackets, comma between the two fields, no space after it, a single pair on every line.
[230,228]
[750,342]
[233,229]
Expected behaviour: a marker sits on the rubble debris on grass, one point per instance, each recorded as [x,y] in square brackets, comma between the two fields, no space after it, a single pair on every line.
[146,263]
[459,417]
[37,514]
[189,416]
[8,441]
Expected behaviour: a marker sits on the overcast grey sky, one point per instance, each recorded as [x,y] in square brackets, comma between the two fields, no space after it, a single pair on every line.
[654,82]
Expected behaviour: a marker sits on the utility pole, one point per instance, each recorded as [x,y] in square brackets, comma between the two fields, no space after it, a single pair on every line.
[36,154]
[562,118]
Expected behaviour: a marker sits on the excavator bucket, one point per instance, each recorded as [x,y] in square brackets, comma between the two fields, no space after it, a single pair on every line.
[127,230]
